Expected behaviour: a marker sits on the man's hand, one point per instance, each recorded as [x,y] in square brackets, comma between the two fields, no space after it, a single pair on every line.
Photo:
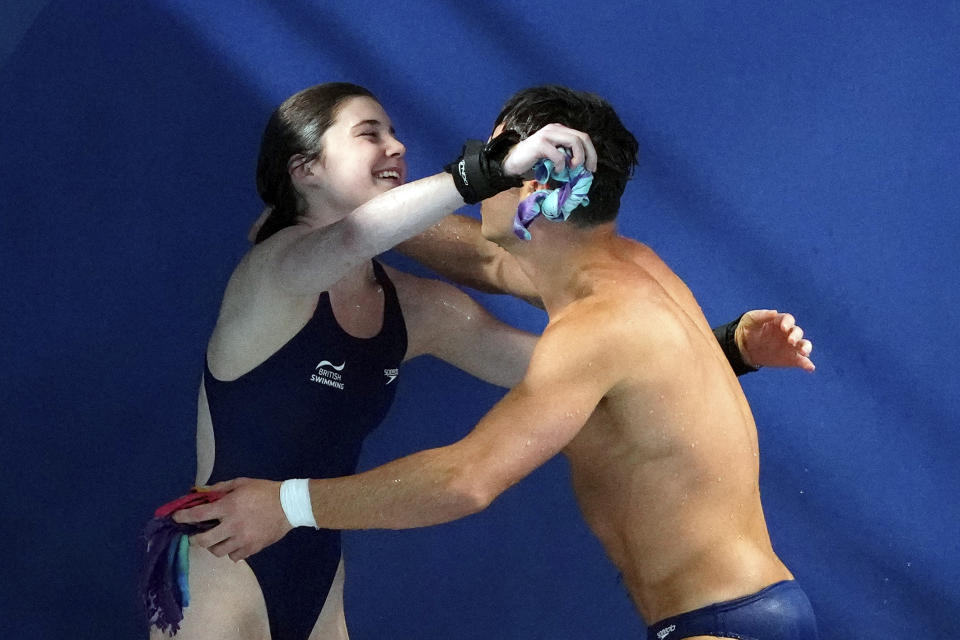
[767,338]
[250,516]
[546,143]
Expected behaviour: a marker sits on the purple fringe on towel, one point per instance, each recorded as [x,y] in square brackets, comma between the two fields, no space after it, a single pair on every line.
[164,589]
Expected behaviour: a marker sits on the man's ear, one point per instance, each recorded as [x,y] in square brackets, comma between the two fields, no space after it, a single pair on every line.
[531,186]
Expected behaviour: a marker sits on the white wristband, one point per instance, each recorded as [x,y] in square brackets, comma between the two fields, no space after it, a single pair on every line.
[295,500]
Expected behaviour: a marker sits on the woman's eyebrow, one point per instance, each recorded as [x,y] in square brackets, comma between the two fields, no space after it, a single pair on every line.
[375,123]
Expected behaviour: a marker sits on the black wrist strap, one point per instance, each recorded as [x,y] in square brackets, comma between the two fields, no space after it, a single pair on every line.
[727,337]
[478,172]
[466,170]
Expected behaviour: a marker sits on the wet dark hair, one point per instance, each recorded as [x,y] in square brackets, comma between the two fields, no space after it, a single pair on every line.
[531,109]
[295,128]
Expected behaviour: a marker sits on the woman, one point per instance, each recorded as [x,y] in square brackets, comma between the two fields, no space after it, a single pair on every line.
[311,332]
[302,362]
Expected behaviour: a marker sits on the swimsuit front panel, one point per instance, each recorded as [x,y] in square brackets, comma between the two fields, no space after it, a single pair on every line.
[303,413]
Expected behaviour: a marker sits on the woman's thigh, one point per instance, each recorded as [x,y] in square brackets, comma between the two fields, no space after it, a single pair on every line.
[331,625]
[225,601]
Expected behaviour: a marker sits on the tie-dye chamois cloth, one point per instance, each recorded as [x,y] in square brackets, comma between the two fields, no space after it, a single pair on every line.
[553,204]
[164,589]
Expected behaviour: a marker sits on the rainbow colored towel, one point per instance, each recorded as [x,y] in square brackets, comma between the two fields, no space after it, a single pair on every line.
[164,587]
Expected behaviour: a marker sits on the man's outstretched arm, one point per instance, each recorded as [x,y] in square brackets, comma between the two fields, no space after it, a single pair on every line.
[531,424]
[456,249]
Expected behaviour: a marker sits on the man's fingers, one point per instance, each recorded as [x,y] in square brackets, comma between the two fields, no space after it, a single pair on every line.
[805,363]
[211,538]
[225,547]
[796,334]
[243,552]
[199,513]
[226,486]
[787,322]
[758,317]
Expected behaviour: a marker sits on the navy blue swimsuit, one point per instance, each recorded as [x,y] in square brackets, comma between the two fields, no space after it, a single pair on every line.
[303,413]
[779,612]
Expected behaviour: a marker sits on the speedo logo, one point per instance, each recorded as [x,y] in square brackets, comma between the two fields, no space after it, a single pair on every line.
[391,374]
[462,170]
[328,376]
[663,633]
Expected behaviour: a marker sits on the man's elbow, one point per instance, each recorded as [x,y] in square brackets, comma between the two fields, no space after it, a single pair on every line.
[470,493]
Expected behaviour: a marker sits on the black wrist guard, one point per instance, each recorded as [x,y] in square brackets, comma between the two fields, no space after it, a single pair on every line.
[727,337]
[478,172]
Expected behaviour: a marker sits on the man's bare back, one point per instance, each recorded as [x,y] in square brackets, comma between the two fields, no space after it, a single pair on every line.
[666,468]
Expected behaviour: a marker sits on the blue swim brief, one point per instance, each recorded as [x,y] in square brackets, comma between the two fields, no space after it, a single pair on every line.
[779,612]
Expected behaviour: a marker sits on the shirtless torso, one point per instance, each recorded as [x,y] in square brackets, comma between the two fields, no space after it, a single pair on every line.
[629,382]
[666,468]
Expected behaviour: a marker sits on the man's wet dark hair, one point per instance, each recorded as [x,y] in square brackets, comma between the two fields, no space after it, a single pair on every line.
[531,109]
[296,128]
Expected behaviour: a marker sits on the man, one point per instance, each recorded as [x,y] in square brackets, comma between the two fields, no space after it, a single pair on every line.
[629,382]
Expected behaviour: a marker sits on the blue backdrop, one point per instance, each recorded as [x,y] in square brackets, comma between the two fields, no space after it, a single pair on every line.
[795,155]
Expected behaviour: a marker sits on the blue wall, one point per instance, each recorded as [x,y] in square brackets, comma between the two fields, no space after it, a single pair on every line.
[796,155]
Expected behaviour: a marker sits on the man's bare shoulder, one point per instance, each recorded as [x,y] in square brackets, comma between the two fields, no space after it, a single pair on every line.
[622,301]
[623,321]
